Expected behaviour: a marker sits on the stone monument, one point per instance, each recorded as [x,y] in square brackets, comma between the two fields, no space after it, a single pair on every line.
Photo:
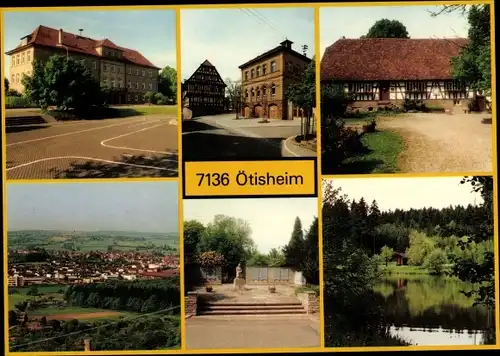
[239,282]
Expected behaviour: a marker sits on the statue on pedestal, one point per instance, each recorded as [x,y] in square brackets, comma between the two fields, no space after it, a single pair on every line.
[239,281]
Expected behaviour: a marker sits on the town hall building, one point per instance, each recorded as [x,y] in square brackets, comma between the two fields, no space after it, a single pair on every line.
[383,72]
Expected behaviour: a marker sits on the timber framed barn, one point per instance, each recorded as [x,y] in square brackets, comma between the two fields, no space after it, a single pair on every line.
[204,92]
[384,72]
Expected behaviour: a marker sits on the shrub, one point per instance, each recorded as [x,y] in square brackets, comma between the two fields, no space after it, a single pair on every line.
[160,99]
[12,92]
[149,97]
[414,105]
[18,102]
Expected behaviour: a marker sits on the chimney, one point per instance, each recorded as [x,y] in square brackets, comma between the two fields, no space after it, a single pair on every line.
[60,36]
[81,31]
[86,343]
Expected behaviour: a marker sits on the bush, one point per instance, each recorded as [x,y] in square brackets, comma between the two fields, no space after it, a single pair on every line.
[18,102]
[12,92]
[160,99]
[414,105]
[149,97]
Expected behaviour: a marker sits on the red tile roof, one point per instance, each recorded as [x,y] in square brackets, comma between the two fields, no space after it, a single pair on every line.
[390,59]
[46,36]
[162,274]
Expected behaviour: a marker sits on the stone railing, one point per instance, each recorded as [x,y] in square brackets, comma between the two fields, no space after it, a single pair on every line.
[310,301]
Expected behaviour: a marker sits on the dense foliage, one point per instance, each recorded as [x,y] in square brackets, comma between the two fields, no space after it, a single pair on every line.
[167,86]
[386,28]
[141,333]
[137,296]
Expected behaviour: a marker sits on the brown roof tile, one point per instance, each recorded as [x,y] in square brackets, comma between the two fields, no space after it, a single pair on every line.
[390,59]
[46,36]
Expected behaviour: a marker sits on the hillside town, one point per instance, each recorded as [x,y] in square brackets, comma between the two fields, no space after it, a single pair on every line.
[72,267]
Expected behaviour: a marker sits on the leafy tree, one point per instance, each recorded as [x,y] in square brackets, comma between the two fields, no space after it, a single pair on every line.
[295,250]
[64,83]
[303,95]
[276,258]
[310,263]
[387,253]
[167,83]
[210,259]
[6,85]
[235,94]
[258,259]
[386,28]
[149,97]
[420,247]
[435,261]
[193,231]
[473,65]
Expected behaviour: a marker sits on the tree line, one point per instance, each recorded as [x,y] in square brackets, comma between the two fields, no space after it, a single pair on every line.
[144,296]
[145,333]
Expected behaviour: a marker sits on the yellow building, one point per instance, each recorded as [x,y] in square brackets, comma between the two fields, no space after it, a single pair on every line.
[125,71]
[265,80]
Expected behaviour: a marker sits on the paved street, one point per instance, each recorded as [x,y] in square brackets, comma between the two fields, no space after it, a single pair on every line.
[140,146]
[222,137]
[244,332]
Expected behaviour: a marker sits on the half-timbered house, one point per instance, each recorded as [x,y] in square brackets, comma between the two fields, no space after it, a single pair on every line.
[204,92]
[384,72]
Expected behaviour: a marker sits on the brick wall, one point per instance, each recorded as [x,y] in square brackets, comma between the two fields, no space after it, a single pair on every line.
[310,301]
[191,303]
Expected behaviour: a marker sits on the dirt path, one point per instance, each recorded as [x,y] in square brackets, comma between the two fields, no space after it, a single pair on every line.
[443,143]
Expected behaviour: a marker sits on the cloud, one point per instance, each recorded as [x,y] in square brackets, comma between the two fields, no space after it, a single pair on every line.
[230,37]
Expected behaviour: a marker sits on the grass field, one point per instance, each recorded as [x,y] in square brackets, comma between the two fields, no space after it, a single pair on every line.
[46,290]
[393,269]
[147,110]
[68,313]
[87,241]
[384,149]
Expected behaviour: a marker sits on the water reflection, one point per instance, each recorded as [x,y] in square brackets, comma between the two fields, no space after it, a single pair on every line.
[433,311]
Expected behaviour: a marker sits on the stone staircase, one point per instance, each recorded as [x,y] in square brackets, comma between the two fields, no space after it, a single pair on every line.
[219,308]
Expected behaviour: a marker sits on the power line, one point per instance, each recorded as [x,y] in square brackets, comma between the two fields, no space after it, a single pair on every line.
[261,19]
[96,327]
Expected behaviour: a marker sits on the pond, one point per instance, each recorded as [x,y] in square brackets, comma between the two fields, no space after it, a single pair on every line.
[427,310]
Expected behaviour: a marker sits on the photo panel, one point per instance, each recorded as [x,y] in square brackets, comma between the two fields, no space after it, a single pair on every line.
[248,83]
[409,261]
[90,96]
[93,267]
[407,89]
[251,274]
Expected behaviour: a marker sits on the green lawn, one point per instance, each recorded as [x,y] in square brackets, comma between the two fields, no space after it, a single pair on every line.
[43,289]
[384,148]
[393,269]
[147,110]
[17,298]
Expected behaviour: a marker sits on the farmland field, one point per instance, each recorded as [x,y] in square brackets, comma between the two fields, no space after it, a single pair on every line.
[93,240]
[69,313]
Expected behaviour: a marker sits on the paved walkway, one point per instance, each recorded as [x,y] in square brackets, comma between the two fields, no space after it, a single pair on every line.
[224,293]
[245,332]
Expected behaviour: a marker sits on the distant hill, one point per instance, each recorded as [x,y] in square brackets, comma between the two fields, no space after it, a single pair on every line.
[92,240]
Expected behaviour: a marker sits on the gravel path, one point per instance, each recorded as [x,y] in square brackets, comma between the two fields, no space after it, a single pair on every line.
[443,143]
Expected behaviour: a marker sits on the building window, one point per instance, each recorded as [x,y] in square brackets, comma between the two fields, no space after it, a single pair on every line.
[253,92]
[120,83]
[246,93]
[273,89]
[17,78]
[136,98]
[129,84]
[246,75]
[22,58]
[455,90]
[13,79]
[143,73]
[258,92]
[150,74]
[112,54]
[17,59]
[264,90]
[143,85]
[113,68]
[113,84]
[137,72]
[416,90]
[258,71]
[105,67]
[129,70]
[94,65]
[273,66]
[252,73]
[264,69]
[137,85]
[362,91]
[150,86]
[129,97]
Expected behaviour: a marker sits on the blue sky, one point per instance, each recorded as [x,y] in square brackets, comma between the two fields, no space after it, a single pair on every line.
[407,193]
[353,22]
[230,37]
[271,219]
[150,32]
[134,206]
